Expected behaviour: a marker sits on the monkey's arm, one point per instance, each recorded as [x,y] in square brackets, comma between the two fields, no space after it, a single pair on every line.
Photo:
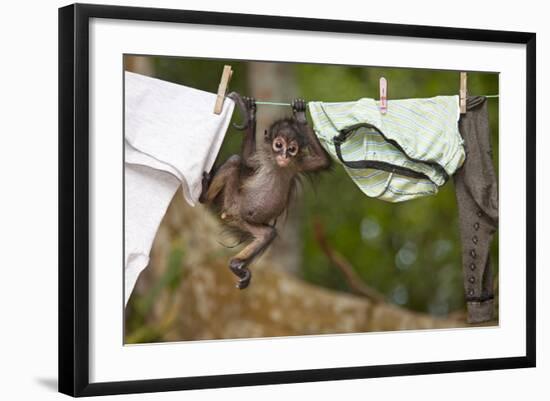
[317,159]
[248,110]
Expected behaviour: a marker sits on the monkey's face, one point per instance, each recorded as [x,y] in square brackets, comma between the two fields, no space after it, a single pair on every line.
[285,150]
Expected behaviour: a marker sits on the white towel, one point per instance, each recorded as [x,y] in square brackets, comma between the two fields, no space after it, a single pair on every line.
[171,137]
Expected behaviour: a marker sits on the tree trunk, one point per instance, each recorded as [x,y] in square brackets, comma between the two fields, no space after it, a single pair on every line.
[206,305]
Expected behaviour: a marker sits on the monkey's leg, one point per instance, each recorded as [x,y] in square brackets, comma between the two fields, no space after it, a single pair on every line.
[263,236]
[211,186]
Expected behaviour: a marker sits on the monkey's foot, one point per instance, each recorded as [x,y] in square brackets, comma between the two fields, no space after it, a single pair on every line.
[206,178]
[239,269]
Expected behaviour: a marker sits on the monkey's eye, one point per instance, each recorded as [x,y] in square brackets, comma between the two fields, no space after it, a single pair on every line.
[278,145]
[292,150]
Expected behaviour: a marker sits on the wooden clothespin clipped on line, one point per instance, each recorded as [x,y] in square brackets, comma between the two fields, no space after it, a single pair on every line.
[222,88]
[463,91]
[383,95]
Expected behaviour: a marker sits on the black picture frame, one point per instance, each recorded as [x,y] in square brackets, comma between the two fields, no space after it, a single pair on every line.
[74,198]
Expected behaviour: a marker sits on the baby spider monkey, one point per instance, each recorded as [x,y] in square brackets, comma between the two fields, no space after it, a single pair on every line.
[250,190]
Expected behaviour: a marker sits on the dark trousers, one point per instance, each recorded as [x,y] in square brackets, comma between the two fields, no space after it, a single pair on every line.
[477,197]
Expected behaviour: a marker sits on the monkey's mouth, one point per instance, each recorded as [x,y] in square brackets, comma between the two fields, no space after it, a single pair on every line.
[282,161]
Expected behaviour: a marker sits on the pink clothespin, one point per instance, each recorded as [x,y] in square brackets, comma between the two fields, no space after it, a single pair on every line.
[383,95]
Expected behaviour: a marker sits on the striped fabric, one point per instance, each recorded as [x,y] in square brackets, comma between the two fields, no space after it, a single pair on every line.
[418,135]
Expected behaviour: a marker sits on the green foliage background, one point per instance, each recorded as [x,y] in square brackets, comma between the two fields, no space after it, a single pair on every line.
[409,251]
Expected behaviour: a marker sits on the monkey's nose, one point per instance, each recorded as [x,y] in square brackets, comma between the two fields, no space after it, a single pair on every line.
[283,160]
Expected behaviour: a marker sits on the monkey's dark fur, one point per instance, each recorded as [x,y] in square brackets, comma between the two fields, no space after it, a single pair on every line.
[250,191]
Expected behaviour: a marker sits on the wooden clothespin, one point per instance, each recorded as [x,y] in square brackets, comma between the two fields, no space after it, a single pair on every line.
[222,88]
[383,95]
[463,91]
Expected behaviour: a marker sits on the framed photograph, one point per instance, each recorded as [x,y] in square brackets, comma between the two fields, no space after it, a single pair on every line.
[251,199]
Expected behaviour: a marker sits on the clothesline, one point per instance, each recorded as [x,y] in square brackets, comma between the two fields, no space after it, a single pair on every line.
[269,103]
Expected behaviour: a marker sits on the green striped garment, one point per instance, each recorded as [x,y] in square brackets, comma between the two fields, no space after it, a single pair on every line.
[406,153]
